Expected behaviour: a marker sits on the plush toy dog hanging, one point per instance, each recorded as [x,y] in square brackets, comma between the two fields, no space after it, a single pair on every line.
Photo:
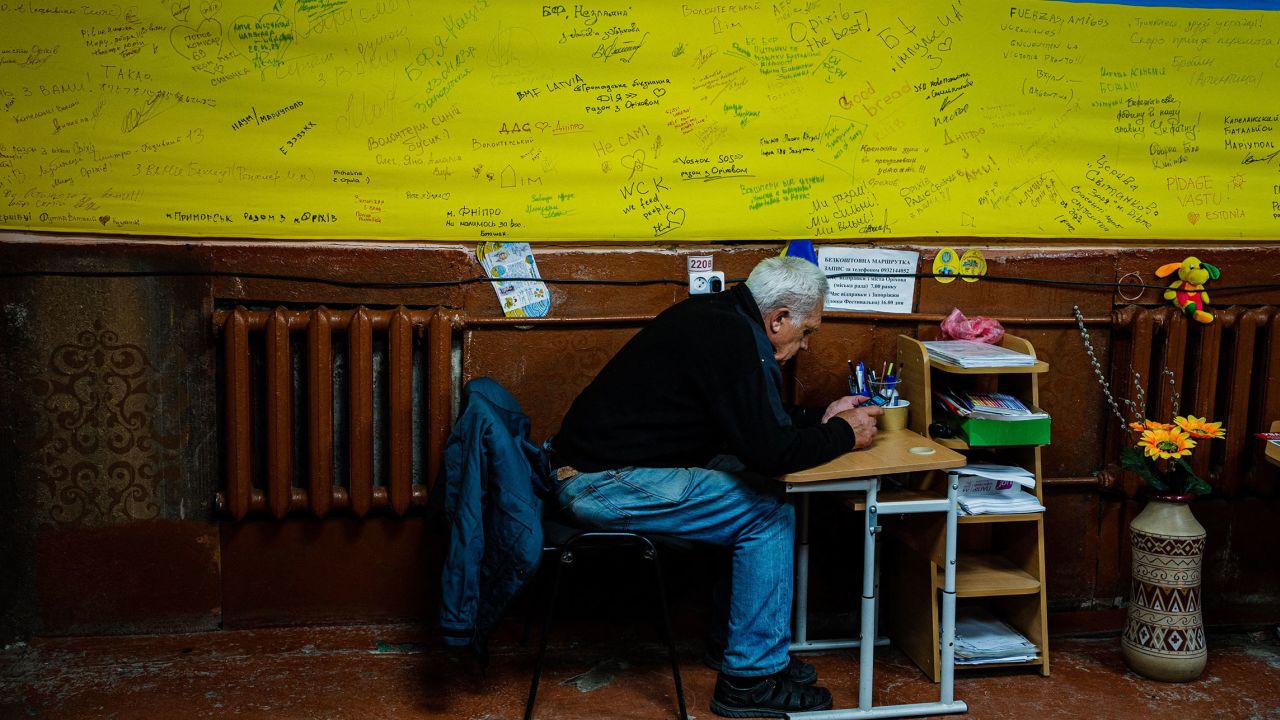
[1187,292]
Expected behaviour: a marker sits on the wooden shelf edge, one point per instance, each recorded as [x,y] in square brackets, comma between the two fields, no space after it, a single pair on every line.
[1000,517]
[989,575]
[1023,663]
[1039,367]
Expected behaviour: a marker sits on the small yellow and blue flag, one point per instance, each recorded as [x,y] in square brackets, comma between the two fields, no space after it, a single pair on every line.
[801,249]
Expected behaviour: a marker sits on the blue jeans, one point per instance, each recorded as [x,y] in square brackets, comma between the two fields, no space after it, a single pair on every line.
[745,512]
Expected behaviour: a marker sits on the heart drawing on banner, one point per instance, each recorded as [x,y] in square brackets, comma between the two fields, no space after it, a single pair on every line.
[675,218]
[263,40]
[1194,217]
[197,43]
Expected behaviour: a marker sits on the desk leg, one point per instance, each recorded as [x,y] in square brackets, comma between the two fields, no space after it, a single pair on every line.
[800,641]
[946,704]
[867,647]
[800,621]
[947,648]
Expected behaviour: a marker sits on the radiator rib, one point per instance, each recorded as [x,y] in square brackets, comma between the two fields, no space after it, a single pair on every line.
[320,411]
[360,411]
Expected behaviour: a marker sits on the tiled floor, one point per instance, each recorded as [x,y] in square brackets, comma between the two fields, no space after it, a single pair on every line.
[389,672]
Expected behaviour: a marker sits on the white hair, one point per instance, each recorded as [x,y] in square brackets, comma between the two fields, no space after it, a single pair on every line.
[789,282]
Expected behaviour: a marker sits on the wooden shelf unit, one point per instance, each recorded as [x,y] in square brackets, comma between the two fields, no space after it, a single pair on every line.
[1001,557]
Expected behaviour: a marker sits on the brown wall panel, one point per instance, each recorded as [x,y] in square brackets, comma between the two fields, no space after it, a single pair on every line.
[544,367]
[143,577]
[822,373]
[1071,547]
[336,571]
[1240,568]
[109,422]
[1003,299]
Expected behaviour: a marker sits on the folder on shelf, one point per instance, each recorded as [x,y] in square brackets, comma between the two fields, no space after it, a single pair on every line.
[995,489]
[982,638]
[987,406]
[971,354]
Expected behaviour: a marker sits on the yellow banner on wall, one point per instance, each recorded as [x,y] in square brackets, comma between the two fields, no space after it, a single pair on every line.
[694,120]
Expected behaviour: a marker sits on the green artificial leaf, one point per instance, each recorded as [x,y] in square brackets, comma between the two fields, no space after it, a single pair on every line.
[1192,482]
[1131,458]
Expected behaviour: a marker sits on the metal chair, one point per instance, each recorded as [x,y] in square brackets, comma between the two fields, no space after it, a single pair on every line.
[564,541]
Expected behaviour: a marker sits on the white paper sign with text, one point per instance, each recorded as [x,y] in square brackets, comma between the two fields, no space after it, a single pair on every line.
[872,292]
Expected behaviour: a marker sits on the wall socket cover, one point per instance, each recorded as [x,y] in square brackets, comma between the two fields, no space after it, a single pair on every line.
[704,283]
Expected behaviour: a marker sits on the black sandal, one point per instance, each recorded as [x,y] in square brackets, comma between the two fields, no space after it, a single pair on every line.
[769,696]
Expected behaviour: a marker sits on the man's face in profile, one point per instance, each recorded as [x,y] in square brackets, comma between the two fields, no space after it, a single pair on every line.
[790,336]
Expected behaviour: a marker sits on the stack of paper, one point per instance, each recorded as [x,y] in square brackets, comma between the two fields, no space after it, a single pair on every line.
[986,406]
[981,638]
[971,354]
[994,489]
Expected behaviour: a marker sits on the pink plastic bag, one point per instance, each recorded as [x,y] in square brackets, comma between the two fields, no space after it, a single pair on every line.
[981,329]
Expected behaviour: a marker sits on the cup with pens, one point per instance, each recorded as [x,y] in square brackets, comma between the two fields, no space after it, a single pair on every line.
[882,390]
[895,408]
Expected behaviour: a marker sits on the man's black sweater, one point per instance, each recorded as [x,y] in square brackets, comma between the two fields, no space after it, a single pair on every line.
[697,382]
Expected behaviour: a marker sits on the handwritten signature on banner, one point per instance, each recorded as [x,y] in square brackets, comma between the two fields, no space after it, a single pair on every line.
[494,121]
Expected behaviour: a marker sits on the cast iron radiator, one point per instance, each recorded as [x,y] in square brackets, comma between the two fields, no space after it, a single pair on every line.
[1228,370]
[332,409]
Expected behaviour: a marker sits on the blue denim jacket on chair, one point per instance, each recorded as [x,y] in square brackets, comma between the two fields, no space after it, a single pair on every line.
[491,471]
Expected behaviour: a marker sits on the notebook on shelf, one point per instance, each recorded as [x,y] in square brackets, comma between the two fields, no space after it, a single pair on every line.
[971,354]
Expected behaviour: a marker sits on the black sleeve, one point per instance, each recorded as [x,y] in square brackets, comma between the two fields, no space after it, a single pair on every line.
[805,415]
[744,413]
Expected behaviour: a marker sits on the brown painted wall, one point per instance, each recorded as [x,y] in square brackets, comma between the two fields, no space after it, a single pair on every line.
[109,451]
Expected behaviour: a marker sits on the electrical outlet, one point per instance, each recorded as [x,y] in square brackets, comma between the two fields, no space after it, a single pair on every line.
[706,282]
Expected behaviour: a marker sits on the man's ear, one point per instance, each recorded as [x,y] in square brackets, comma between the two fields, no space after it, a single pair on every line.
[774,318]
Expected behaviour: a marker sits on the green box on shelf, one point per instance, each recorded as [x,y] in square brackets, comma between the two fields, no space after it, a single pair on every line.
[979,432]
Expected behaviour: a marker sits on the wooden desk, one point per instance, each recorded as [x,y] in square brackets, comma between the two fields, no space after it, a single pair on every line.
[860,471]
[889,454]
[1273,451]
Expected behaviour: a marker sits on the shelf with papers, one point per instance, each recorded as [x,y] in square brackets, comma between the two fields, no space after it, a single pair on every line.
[1001,560]
[990,358]
[982,639]
[857,502]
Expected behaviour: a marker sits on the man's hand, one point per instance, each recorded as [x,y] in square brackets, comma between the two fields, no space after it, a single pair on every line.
[848,402]
[863,422]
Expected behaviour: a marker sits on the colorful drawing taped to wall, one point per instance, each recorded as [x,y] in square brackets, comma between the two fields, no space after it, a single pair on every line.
[972,265]
[521,294]
[946,265]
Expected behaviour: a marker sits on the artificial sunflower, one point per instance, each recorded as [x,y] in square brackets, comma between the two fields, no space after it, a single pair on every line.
[1200,427]
[1149,425]
[1166,443]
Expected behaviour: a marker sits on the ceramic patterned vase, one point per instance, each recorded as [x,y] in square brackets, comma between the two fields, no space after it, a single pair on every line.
[1164,629]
